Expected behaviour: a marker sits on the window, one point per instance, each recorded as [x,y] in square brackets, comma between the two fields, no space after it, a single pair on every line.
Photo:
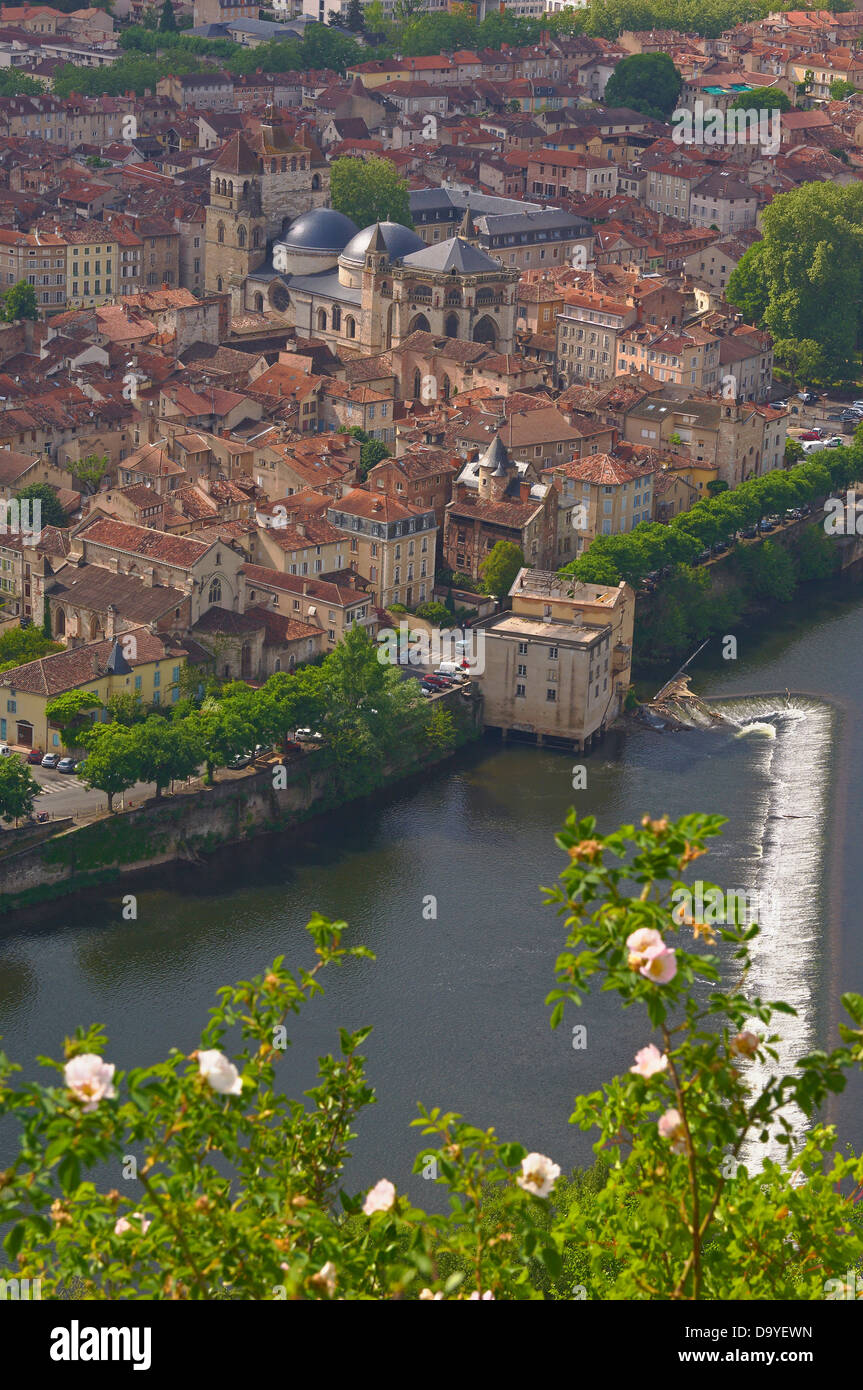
[12,706]
[520,692]
[215,594]
[137,682]
[552,653]
[551,696]
[522,670]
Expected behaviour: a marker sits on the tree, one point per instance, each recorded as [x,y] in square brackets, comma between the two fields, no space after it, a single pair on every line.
[90,470]
[19,302]
[436,613]
[52,513]
[222,729]
[646,82]
[803,357]
[72,714]
[354,19]
[840,89]
[23,644]
[762,99]
[125,707]
[372,452]
[111,765]
[793,453]
[500,567]
[18,789]
[165,751]
[369,190]
[804,280]
[376,22]
[291,701]
[167,19]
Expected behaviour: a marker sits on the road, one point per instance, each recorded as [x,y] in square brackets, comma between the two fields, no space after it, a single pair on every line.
[63,794]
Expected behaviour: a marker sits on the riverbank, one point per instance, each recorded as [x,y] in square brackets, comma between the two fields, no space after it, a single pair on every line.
[192,825]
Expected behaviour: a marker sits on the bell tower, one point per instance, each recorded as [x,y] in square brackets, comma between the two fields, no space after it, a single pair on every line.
[235,235]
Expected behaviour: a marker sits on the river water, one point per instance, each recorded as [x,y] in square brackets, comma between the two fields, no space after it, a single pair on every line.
[457,1001]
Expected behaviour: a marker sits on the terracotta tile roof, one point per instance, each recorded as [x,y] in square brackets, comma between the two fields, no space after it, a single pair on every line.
[52,675]
[180,551]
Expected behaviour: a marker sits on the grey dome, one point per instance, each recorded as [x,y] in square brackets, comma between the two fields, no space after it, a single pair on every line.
[321,229]
[400,241]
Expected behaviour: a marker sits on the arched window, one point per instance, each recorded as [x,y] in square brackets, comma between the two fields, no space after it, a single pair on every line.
[273,163]
[259,303]
[350,328]
[256,237]
[337,318]
[447,388]
[246,189]
[219,284]
[215,594]
[220,233]
[231,188]
[316,180]
[285,164]
[322,318]
[303,162]
[293,166]
[417,384]
[241,235]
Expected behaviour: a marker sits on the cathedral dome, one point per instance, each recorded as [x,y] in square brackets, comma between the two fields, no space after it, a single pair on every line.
[321,229]
[400,241]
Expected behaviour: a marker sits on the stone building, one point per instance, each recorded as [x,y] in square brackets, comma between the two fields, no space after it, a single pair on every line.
[371,289]
[557,667]
[258,184]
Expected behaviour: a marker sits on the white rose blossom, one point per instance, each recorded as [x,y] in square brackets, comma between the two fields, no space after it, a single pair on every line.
[221,1074]
[538,1174]
[90,1078]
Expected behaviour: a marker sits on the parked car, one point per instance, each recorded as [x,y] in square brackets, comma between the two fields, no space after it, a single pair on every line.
[857,405]
[793,514]
[807,397]
[307,735]
[767,524]
[852,414]
[808,434]
[67,765]
[239,761]
[437,682]
[779,405]
[835,443]
[35,755]
[51,760]
[451,668]
[749,532]
[428,689]
[705,555]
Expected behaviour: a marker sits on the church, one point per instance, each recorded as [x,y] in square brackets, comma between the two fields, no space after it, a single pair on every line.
[362,291]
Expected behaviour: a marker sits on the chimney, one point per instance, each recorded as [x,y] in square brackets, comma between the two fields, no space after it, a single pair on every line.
[305,589]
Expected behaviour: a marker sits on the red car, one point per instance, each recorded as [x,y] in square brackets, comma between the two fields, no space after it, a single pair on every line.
[35,755]
[809,434]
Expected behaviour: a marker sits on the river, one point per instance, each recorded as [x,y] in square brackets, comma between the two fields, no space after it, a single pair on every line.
[457,1001]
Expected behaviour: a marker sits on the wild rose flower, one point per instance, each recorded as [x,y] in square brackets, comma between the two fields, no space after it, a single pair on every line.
[649,1061]
[426,1294]
[481,1297]
[125,1224]
[325,1278]
[660,964]
[670,1127]
[745,1044]
[381,1197]
[643,939]
[221,1074]
[90,1078]
[538,1174]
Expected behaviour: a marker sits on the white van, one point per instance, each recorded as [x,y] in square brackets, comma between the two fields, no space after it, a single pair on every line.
[452,668]
[812,446]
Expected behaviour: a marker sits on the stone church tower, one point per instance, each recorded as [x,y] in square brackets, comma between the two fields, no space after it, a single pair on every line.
[236,229]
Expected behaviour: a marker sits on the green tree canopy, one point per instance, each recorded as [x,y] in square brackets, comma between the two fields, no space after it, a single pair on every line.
[18,789]
[369,190]
[111,765]
[19,302]
[165,750]
[72,714]
[762,98]
[167,19]
[90,471]
[52,513]
[646,82]
[804,279]
[500,567]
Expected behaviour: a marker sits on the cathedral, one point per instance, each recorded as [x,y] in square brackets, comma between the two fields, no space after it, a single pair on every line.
[273,244]
[366,291]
